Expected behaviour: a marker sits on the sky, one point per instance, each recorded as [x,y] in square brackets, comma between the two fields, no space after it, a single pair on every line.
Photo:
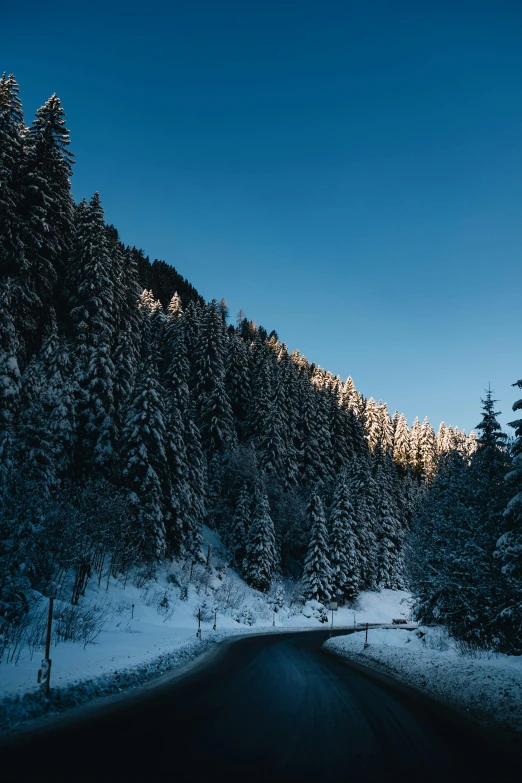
[346,173]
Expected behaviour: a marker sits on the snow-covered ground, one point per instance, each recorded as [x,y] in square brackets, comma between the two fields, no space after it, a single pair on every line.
[487,687]
[158,634]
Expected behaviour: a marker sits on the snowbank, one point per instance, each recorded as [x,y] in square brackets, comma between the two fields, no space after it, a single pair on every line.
[489,687]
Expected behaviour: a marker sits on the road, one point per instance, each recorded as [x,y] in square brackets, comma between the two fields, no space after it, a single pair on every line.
[264,708]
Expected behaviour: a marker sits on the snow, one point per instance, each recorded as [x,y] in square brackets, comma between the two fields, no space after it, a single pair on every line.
[138,645]
[489,687]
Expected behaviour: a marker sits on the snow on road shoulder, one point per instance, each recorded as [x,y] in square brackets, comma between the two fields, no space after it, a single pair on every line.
[149,630]
[488,687]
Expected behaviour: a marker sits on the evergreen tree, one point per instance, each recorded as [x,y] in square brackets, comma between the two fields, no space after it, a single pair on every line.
[373,424]
[427,449]
[344,559]
[239,528]
[12,256]
[47,205]
[144,459]
[509,545]
[91,313]
[401,443]
[317,573]
[215,412]
[9,368]
[261,555]
[415,447]
[237,381]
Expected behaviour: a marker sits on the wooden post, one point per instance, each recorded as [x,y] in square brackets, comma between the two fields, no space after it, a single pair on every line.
[49,624]
[366,633]
[132,612]
[215,619]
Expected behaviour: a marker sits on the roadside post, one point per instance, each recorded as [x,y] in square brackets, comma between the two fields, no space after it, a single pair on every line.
[215,620]
[333,607]
[366,642]
[44,674]
[132,612]
[354,621]
[198,634]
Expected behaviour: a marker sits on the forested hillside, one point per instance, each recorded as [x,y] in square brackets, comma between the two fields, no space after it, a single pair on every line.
[132,412]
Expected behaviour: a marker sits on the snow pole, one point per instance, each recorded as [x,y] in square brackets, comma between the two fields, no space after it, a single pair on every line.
[198,635]
[366,642]
[44,674]
[215,619]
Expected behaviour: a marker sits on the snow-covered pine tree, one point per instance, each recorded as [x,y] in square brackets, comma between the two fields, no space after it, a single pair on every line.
[216,420]
[238,533]
[441,438]
[415,447]
[92,316]
[509,545]
[344,558]
[373,424]
[127,323]
[47,205]
[317,573]
[144,458]
[288,381]
[389,535]
[261,556]
[428,451]
[237,381]
[32,446]
[10,375]
[363,493]
[386,428]
[401,444]
[58,398]
[12,258]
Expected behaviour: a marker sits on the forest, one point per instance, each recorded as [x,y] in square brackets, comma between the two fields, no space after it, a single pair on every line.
[132,412]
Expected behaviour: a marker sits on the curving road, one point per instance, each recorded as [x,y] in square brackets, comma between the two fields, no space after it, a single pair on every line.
[265,708]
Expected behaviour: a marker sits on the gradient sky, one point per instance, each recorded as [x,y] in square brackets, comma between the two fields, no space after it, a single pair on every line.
[347,173]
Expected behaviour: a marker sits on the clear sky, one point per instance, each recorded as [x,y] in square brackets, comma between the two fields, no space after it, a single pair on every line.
[348,173]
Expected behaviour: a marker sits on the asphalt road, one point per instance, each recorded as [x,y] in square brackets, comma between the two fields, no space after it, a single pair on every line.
[265,708]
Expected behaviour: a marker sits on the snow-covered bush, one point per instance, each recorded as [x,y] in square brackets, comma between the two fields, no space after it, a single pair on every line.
[163,601]
[316,610]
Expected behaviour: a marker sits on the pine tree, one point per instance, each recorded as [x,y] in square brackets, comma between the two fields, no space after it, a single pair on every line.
[91,313]
[261,556]
[237,381]
[12,256]
[373,424]
[144,459]
[47,206]
[317,573]
[401,443]
[364,499]
[9,368]
[415,447]
[390,533]
[427,449]
[344,559]
[239,528]
[215,412]
[509,545]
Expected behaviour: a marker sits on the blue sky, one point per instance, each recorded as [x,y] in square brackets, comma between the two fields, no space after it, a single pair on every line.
[347,173]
